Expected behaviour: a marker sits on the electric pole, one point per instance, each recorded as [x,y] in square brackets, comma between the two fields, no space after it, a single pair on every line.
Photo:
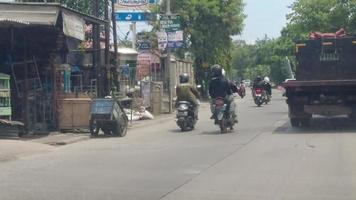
[107,73]
[96,51]
[114,69]
[168,63]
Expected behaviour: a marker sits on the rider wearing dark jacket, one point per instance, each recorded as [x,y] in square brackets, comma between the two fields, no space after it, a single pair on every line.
[220,87]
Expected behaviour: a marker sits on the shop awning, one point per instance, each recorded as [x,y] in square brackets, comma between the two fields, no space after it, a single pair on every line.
[45,14]
[29,14]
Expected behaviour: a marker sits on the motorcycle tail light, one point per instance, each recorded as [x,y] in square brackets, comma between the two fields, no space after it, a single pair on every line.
[258,91]
[183,107]
[219,102]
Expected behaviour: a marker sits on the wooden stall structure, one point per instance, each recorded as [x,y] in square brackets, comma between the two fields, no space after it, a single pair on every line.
[40,48]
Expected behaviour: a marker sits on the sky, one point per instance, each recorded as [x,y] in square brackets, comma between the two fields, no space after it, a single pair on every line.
[264,17]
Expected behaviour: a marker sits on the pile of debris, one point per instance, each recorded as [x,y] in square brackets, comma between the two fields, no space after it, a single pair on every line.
[137,111]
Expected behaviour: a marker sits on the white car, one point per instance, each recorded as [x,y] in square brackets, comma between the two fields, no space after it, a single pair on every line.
[247,82]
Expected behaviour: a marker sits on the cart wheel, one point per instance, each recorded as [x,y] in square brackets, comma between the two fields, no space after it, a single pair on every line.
[106,131]
[120,130]
[94,128]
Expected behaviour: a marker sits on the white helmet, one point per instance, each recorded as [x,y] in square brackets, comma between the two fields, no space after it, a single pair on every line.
[223,72]
[266,79]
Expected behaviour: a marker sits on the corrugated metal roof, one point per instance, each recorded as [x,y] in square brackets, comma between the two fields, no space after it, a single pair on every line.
[36,14]
[28,14]
[13,22]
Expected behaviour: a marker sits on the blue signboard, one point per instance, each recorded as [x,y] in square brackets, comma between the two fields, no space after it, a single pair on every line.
[175,45]
[131,16]
[143,45]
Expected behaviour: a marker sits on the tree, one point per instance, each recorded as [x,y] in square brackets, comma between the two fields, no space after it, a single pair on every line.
[208,27]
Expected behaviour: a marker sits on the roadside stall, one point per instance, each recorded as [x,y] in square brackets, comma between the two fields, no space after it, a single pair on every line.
[37,47]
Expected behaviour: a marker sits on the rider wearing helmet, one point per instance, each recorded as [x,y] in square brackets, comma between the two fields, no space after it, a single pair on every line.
[220,87]
[257,82]
[267,86]
[186,92]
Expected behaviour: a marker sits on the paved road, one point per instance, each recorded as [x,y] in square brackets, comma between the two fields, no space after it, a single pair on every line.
[263,159]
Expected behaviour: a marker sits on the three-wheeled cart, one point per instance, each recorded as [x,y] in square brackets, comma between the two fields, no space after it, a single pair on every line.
[107,115]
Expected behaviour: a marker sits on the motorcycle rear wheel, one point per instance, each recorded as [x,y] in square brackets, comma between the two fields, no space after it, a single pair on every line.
[223,126]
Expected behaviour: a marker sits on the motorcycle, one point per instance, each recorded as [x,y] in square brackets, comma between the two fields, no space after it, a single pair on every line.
[222,116]
[259,96]
[242,90]
[186,116]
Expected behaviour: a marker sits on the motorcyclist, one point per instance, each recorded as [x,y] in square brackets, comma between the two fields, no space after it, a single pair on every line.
[257,82]
[220,86]
[267,86]
[186,92]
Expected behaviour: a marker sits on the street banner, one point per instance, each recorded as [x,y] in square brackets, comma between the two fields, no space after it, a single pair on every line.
[162,40]
[175,39]
[133,4]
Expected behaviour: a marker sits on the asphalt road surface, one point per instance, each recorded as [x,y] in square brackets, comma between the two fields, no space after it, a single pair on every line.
[264,158]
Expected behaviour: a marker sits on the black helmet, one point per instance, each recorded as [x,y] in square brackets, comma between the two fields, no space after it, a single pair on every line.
[216,71]
[259,78]
[184,78]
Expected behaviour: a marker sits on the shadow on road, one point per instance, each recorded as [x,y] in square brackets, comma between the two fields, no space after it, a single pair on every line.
[320,125]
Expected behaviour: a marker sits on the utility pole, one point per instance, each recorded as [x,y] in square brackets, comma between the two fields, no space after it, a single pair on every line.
[107,79]
[168,63]
[134,35]
[114,69]
[96,49]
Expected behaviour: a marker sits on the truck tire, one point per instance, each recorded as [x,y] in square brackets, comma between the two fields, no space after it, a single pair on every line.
[305,122]
[294,122]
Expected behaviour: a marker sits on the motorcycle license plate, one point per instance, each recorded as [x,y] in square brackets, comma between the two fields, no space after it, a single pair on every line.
[183,114]
[258,95]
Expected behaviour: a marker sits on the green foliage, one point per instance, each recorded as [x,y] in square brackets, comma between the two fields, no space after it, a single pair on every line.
[261,59]
[208,26]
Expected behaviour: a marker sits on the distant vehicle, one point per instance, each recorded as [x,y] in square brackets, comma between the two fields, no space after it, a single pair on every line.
[259,96]
[325,81]
[247,82]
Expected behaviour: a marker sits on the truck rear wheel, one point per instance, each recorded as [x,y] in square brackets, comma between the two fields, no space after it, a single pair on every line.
[294,122]
[303,122]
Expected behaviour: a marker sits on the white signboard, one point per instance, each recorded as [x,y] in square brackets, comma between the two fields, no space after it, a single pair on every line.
[73,26]
[175,36]
[133,4]
[162,40]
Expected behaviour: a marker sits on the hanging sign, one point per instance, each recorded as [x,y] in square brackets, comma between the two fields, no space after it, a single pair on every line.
[170,23]
[175,39]
[162,40]
[133,4]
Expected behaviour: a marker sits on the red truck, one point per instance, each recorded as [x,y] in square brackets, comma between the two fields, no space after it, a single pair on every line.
[325,82]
